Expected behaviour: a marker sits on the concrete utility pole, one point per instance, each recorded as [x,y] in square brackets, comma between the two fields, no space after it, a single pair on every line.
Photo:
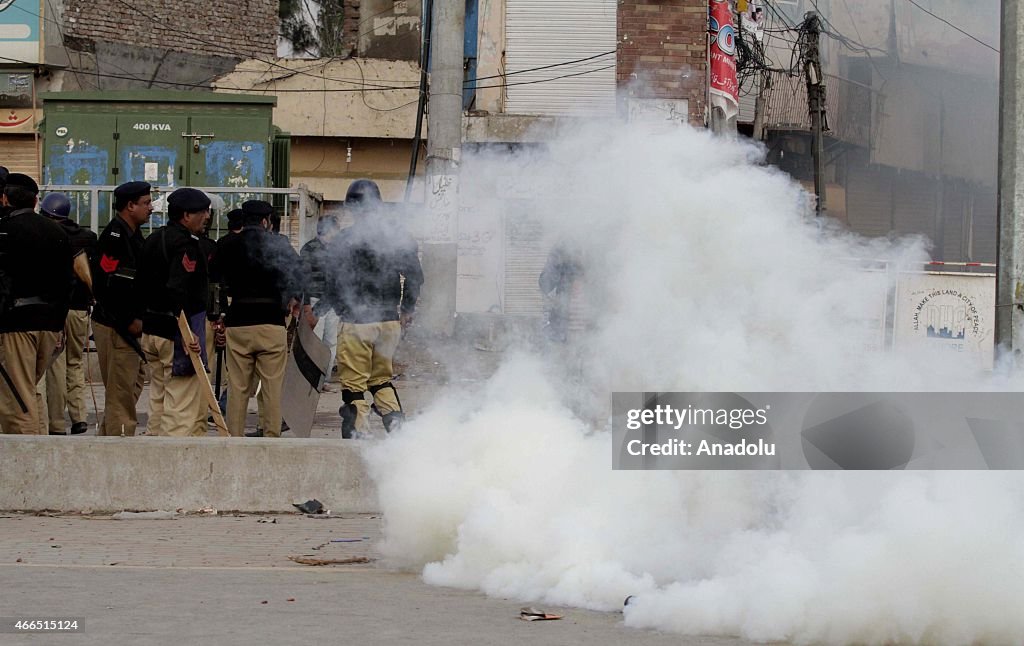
[1009,288]
[444,148]
[811,35]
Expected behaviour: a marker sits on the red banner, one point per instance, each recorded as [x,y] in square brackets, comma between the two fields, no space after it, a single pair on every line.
[722,49]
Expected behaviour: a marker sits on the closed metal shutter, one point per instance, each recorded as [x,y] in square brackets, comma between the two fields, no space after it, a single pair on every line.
[524,260]
[869,201]
[18,154]
[983,246]
[914,204]
[547,32]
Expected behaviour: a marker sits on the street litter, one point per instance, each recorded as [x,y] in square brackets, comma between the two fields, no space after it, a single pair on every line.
[532,614]
[209,511]
[355,560]
[313,506]
[346,540]
[145,515]
[267,520]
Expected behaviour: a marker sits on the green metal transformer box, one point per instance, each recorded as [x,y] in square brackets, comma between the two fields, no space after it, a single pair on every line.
[167,138]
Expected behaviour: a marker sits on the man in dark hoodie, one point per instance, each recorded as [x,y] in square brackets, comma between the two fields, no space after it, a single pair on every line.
[35,287]
[65,380]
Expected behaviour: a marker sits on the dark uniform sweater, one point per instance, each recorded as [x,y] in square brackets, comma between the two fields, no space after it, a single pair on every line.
[35,273]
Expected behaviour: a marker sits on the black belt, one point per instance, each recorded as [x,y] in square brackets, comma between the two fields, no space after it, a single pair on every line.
[244,300]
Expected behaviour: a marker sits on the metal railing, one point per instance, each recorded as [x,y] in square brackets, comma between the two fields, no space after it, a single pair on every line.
[93,206]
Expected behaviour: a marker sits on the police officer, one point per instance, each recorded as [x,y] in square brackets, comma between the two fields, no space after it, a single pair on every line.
[365,286]
[174,278]
[117,315]
[234,227]
[35,289]
[65,380]
[262,276]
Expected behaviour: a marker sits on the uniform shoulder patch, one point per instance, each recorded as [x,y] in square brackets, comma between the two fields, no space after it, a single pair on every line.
[115,234]
[188,263]
[109,264]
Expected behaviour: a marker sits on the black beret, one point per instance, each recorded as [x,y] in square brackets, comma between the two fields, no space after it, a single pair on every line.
[132,190]
[189,200]
[257,208]
[234,217]
[3,176]
[24,181]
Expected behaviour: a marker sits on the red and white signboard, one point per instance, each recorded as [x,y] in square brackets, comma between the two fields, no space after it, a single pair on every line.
[722,55]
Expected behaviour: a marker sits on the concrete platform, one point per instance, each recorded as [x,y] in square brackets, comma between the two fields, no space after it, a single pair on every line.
[101,474]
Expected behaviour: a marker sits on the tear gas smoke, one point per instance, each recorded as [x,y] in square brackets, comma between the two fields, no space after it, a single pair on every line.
[703,273]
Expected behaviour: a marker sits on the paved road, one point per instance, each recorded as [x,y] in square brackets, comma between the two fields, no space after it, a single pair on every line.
[228,580]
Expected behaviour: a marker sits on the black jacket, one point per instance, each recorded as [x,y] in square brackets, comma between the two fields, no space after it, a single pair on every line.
[82,241]
[114,266]
[259,272]
[315,257]
[35,273]
[173,277]
[366,264]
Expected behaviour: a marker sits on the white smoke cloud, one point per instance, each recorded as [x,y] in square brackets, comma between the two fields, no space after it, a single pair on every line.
[707,275]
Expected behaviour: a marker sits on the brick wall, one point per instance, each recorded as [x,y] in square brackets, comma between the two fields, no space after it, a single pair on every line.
[351,24]
[663,50]
[229,28]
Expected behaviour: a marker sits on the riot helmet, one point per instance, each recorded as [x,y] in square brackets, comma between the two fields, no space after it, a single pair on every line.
[362,192]
[55,205]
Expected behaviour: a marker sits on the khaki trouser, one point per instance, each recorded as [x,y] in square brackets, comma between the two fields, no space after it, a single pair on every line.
[256,352]
[159,356]
[65,380]
[211,359]
[176,404]
[225,384]
[365,354]
[123,377]
[26,357]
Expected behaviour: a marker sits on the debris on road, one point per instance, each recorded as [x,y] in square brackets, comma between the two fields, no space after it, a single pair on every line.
[145,515]
[355,560]
[532,614]
[313,506]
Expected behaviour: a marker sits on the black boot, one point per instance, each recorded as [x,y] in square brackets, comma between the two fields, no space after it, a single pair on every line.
[348,420]
[393,421]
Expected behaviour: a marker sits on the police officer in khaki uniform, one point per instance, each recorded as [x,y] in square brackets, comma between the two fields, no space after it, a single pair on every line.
[35,289]
[369,261]
[174,279]
[65,380]
[262,276]
[117,315]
